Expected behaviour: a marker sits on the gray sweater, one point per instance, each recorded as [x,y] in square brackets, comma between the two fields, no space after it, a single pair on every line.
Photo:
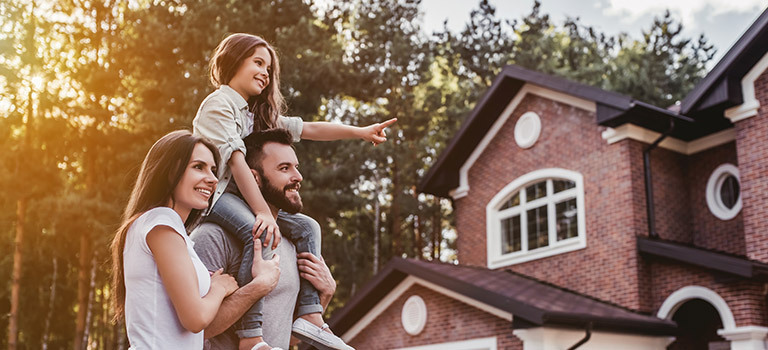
[217,249]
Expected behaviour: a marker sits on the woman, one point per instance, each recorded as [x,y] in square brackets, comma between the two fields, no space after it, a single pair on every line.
[165,292]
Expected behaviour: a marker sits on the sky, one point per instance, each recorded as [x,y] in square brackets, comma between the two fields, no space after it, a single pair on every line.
[721,21]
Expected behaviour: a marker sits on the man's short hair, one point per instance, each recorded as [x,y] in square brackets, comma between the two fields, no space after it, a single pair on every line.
[254,144]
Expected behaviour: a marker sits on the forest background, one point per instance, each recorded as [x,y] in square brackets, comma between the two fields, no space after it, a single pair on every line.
[87,86]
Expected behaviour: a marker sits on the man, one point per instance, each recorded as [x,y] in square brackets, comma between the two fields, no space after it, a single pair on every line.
[277,174]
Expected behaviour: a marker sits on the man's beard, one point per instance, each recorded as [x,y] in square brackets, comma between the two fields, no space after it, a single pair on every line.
[277,197]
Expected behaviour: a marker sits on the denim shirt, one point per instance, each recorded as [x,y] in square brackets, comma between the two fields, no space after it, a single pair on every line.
[223,118]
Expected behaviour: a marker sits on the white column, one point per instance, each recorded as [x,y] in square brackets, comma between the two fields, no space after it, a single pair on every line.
[745,338]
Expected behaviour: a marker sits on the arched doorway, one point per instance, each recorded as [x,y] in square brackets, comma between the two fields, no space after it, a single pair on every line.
[697,324]
[699,313]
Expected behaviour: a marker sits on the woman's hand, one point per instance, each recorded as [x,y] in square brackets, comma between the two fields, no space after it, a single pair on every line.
[265,223]
[314,270]
[374,133]
[224,281]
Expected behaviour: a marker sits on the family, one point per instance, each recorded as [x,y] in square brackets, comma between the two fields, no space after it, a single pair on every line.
[199,261]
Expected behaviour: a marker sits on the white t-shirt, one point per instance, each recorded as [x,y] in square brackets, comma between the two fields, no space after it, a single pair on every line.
[150,318]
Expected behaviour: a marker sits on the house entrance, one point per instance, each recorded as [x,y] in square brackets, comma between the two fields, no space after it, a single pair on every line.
[698,322]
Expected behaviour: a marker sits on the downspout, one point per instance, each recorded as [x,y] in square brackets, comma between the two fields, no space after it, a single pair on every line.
[648,184]
[585,339]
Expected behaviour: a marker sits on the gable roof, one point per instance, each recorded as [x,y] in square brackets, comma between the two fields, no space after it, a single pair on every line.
[612,109]
[721,88]
[532,303]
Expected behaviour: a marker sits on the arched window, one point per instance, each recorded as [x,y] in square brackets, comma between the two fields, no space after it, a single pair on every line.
[537,215]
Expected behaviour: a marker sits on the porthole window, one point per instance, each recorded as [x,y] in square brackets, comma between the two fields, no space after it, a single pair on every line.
[414,315]
[527,129]
[724,192]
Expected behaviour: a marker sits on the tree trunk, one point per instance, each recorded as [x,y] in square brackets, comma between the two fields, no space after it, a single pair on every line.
[436,233]
[395,220]
[89,307]
[51,299]
[13,326]
[82,290]
[417,237]
[376,229]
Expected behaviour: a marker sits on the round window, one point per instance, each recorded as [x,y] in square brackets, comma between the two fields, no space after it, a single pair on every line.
[527,129]
[414,316]
[724,192]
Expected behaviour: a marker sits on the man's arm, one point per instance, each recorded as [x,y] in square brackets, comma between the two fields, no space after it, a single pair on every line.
[314,270]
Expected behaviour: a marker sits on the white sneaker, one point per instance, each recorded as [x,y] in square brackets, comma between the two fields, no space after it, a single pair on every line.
[263,344]
[317,336]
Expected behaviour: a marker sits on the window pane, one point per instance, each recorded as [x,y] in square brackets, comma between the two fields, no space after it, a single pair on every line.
[729,191]
[510,235]
[512,202]
[562,185]
[537,228]
[535,191]
[567,220]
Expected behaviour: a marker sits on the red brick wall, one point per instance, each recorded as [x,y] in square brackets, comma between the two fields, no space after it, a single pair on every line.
[709,231]
[670,194]
[448,320]
[745,299]
[752,150]
[607,268]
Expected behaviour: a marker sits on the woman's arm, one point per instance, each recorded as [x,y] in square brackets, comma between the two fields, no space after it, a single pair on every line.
[325,131]
[180,280]
[248,187]
[265,276]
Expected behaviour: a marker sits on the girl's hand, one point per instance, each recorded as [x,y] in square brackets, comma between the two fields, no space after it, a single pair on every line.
[265,223]
[226,282]
[374,133]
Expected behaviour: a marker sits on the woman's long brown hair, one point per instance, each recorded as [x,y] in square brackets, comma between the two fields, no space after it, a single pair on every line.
[160,172]
[227,59]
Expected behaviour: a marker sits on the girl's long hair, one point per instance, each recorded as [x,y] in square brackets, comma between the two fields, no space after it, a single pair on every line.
[227,59]
[160,172]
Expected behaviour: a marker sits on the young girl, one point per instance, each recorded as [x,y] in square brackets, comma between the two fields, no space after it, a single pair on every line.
[162,287]
[246,72]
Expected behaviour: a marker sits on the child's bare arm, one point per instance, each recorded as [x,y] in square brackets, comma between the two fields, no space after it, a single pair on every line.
[325,131]
[248,187]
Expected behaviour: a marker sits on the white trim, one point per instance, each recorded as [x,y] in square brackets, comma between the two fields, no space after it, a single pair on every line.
[463,188]
[473,344]
[493,219]
[547,338]
[714,200]
[401,288]
[634,132]
[680,296]
[746,337]
[750,105]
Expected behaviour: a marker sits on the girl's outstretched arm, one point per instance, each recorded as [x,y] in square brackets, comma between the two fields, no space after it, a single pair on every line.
[180,280]
[325,131]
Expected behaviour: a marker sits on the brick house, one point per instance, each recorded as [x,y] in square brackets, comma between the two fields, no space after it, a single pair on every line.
[558,242]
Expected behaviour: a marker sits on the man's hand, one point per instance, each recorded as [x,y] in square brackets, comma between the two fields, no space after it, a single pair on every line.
[314,270]
[265,272]
[374,133]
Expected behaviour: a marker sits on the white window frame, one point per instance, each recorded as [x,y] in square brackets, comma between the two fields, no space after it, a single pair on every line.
[494,216]
[714,200]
